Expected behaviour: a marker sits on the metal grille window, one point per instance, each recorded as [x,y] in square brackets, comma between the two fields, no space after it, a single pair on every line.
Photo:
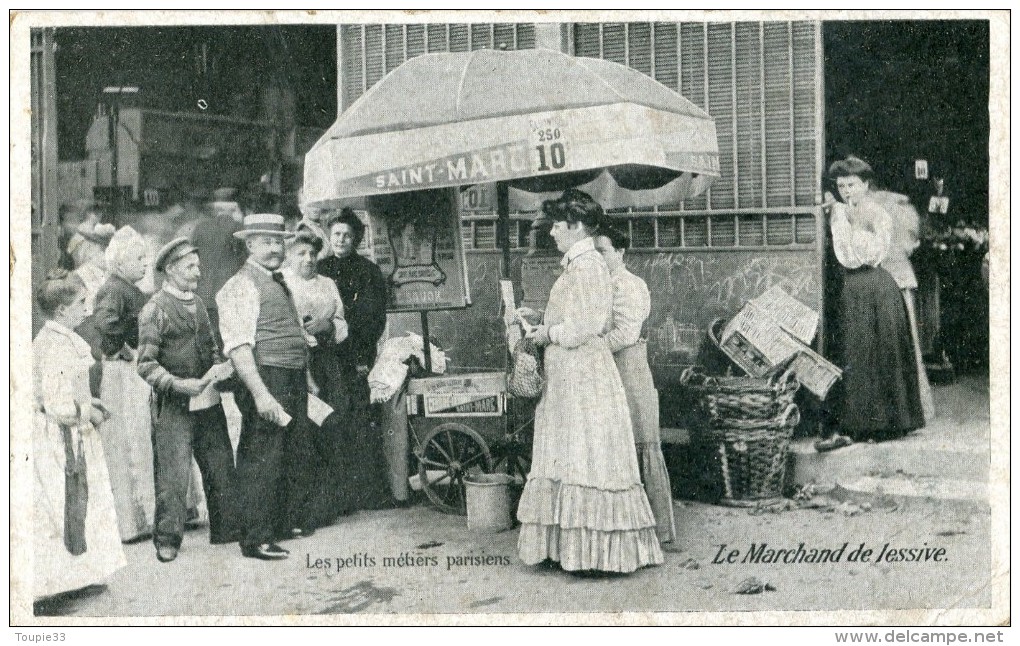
[369,52]
[761,83]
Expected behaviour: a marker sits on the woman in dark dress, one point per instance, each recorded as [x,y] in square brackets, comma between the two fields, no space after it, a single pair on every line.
[363,292]
[880,392]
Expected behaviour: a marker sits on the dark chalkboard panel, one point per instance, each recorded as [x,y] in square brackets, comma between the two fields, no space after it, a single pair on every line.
[689,290]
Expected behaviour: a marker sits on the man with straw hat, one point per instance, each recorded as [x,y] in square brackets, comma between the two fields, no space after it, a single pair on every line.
[262,335]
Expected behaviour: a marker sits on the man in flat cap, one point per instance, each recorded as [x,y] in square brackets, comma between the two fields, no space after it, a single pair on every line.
[179,357]
[263,336]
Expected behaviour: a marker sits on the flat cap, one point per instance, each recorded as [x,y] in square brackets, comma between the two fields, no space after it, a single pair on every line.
[173,251]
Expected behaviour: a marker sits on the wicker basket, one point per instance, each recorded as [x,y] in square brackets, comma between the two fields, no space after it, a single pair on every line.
[751,461]
[746,426]
[728,399]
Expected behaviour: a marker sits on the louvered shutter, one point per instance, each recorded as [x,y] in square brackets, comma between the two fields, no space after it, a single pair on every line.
[375,67]
[665,49]
[369,52]
[415,40]
[393,45]
[694,80]
[806,50]
[758,79]
[460,38]
[778,87]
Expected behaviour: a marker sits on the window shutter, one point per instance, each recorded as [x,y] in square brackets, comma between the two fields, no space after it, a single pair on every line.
[721,99]
[525,35]
[778,115]
[748,137]
[394,47]
[757,79]
[459,38]
[375,67]
[806,132]
[352,52]
[642,233]
[693,81]
[415,40]
[481,37]
[639,47]
[665,68]
[587,41]
[438,38]
[504,36]
[614,42]
[724,231]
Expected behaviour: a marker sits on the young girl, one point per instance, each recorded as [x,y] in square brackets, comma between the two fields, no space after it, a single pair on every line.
[76,542]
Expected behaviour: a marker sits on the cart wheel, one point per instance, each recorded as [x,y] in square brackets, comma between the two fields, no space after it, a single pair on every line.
[514,460]
[453,450]
[515,451]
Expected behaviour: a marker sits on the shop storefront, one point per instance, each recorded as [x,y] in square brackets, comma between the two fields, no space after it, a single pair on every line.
[704,257]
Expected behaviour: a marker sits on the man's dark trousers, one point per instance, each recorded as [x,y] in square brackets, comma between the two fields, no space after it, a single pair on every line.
[177,434]
[274,479]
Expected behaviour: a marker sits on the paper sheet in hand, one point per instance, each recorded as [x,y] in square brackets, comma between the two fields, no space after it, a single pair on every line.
[284,417]
[210,396]
[318,410]
[506,290]
[219,372]
[510,319]
[205,399]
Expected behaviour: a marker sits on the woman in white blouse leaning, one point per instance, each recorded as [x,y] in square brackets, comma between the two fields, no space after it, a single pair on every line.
[632,304]
[880,396]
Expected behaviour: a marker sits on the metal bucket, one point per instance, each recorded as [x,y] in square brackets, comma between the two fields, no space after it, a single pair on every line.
[488,502]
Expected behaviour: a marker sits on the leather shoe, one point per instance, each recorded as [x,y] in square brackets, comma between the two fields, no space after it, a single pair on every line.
[265,552]
[166,553]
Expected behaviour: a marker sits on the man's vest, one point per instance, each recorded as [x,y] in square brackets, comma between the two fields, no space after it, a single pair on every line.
[278,338]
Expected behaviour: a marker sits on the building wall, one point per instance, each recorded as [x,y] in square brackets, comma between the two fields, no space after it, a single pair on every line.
[758,226]
[45,196]
[761,81]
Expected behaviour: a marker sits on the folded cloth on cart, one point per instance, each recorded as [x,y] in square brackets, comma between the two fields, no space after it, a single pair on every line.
[390,369]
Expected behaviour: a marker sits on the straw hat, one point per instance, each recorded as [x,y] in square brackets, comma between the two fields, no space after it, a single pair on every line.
[264,224]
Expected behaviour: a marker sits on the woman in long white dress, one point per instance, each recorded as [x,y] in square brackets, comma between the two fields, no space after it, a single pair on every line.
[583,504]
[75,541]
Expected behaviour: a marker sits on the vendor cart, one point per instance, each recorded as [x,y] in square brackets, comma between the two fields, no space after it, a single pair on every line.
[534,123]
[460,424]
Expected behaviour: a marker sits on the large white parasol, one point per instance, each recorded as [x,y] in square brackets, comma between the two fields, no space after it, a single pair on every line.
[538,120]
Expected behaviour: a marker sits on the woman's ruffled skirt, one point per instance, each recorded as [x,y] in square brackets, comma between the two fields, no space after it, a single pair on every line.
[584,528]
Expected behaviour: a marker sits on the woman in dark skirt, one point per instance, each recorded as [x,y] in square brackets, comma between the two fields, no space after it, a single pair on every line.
[880,393]
[363,292]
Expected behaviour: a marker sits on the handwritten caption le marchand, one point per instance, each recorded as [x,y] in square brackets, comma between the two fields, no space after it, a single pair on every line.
[762,553]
